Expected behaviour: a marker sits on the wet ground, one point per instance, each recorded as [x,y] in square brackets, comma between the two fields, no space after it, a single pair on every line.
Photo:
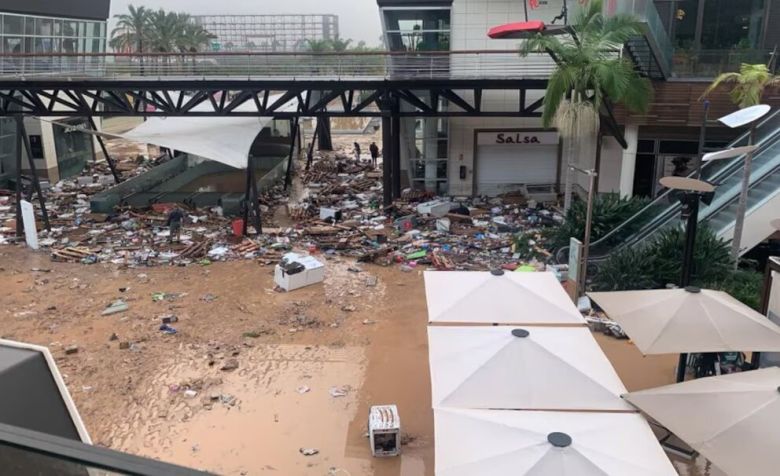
[310,363]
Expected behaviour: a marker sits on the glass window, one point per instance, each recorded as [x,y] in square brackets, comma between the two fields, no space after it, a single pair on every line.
[29,26]
[70,28]
[12,44]
[44,27]
[13,25]
[57,28]
[729,24]
[417,30]
[74,148]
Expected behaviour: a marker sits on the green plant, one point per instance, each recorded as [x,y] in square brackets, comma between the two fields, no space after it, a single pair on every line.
[744,285]
[711,259]
[609,211]
[659,262]
[527,246]
[626,269]
[587,73]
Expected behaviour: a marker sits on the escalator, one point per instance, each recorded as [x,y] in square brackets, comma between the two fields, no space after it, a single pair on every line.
[719,215]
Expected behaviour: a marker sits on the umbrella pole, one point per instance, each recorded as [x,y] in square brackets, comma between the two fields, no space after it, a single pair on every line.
[691,208]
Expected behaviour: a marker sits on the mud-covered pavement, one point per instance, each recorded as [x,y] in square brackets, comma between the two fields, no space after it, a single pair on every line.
[165,396]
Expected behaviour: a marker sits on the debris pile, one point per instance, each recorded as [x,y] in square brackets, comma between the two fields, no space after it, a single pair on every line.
[339,213]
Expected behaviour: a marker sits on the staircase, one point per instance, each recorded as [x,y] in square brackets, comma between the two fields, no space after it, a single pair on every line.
[651,52]
[763,199]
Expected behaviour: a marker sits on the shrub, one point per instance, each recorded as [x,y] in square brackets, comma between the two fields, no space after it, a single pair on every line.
[659,262]
[744,285]
[609,210]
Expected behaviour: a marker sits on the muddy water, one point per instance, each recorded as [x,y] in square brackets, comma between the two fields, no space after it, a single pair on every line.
[282,404]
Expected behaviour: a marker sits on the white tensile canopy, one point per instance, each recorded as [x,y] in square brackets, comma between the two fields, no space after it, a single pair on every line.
[508,298]
[223,139]
[732,419]
[533,368]
[669,321]
[515,443]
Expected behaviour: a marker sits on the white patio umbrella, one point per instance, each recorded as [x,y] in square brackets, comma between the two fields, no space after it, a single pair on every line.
[668,321]
[498,297]
[533,368]
[516,443]
[732,419]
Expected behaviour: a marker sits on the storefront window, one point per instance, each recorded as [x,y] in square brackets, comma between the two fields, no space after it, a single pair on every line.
[429,164]
[74,148]
[13,25]
[7,145]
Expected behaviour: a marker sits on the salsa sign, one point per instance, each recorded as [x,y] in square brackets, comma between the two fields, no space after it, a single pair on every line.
[519,138]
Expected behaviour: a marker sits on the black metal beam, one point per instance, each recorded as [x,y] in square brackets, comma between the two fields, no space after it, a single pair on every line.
[111,164]
[22,131]
[109,98]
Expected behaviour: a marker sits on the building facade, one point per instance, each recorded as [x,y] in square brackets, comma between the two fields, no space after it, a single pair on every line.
[46,27]
[268,33]
[474,156]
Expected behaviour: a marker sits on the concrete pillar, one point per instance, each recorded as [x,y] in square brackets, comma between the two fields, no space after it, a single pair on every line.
[628,163]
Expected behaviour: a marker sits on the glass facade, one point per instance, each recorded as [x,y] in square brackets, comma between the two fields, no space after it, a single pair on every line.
[37,34]
[427,139]
[713,36]
[73,147]
[7,145]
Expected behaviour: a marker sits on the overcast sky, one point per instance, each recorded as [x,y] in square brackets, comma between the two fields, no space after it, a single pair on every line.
[358,19]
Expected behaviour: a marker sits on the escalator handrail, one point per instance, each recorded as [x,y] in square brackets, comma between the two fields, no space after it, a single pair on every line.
[727,170]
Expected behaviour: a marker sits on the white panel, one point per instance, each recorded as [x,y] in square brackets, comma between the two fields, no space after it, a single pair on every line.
[501,168]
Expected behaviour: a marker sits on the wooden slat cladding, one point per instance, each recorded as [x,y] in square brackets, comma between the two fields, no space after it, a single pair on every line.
[676,103]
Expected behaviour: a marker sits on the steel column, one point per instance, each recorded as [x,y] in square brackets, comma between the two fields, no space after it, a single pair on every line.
[387,153]
[396,165]
[293,137]
[19,226]
[36,183]
[111,164]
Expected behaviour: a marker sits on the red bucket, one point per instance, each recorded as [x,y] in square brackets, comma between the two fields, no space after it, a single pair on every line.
[238,227]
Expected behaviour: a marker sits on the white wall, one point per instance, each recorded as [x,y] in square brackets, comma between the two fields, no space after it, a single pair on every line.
[462,145]
[611,157]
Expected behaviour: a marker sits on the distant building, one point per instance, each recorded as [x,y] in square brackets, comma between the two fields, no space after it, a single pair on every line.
[268,32]
[45,27]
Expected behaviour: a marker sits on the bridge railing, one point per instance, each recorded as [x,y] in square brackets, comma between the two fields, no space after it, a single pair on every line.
[352,65]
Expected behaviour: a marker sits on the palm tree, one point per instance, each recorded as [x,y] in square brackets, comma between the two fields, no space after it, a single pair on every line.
[131,30]
[340,45]
[751,81]
[318,46]
[589,71]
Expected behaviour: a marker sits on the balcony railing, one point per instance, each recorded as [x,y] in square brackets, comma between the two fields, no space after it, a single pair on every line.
[483,64]
[711,63]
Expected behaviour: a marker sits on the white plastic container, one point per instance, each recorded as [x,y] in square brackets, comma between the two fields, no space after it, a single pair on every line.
[313,272]
[434,208]
[384,430]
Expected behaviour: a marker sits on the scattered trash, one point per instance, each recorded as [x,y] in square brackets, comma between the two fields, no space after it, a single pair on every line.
[339,391]
[71,349]
[115,308]
[308,451]
[190,393]
[208,297]
[166,329]
[124,345]
[168,319]
[303,389]
[229,365]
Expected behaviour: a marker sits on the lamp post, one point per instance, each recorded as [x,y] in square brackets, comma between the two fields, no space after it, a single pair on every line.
[743,117]
[581,277]
[692,192]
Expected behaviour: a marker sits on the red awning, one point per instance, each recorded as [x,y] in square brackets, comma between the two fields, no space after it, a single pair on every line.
[516,30]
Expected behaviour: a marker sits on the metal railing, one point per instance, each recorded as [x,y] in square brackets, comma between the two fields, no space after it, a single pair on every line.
[472,64]
[665,208]
[689,63]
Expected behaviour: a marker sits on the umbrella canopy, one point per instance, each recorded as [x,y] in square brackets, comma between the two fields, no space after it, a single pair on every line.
[731,419]
[223,139]
[533,368]
[668,321]
[505,298]
[506,442]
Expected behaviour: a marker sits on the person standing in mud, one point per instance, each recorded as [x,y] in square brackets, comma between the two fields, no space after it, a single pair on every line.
[174,224]
[374,149]
[357,151]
